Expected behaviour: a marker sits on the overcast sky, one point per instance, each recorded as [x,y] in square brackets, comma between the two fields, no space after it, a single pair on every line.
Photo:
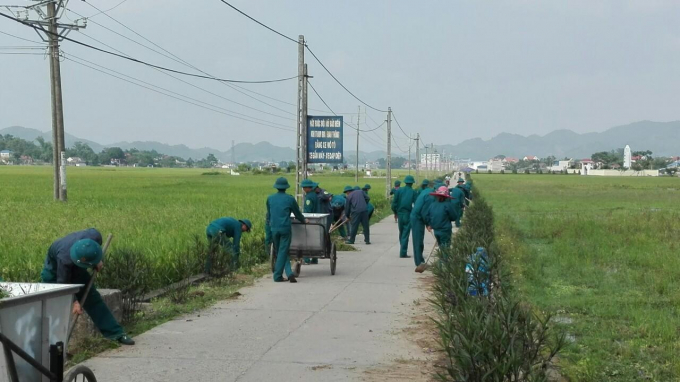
[450,70]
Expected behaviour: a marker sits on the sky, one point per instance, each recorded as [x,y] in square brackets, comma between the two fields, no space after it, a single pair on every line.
[450,70]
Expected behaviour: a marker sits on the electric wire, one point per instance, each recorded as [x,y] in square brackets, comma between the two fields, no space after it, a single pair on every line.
[331,110]
[402,130]
[178,59]
[141,61]
[172,94]
[106,11]
[308,49]
[25,39]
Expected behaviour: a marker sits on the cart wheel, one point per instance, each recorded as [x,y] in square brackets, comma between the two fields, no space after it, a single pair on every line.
[80,374]
[298,268]
[272,256]
[334,258]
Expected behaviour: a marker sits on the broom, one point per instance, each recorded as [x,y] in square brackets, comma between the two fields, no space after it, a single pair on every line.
[423,266]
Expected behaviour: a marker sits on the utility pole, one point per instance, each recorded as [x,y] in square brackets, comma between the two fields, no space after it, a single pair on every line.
[298,140]
[356,174]
[233,154]
[418,157]
[389,152]
[48,13]
[305,88]
[427,165]
[409,153]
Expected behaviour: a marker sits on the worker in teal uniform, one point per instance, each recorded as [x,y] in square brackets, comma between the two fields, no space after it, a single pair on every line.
[397,184]
[227,233]
[424,185]
[279,207]
[369,205]
[439,217]
[467,188]
[418,223]
[357,211]
[67,262]
[402,205]
[458,200]
[310,206]
[324,205]
[338,205]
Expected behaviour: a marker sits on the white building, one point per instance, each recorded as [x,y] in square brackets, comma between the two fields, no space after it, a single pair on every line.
[430,161]
[560,165]
[496,165]
[627,158]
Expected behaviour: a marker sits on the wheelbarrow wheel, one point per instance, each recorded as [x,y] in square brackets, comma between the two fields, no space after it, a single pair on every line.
[80,374]
[298,268]
[334,258]
[272,256]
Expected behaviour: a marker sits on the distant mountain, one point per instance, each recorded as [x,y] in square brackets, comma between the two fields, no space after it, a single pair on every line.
[662,138]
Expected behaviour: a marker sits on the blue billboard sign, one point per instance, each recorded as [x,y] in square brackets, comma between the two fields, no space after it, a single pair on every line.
[324,139]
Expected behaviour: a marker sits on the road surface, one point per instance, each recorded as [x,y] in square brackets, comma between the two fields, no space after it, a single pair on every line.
[347,327]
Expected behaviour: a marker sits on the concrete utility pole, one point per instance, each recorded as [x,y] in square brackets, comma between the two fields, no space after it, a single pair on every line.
[389,152]
[427,164]
[418,157]
[409,153]
[233,154]
[48,13]
[305,88]
[356,174]
[298,138]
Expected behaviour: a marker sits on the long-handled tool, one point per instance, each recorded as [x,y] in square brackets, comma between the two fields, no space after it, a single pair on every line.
[337,225]
[423,266]
[87,288]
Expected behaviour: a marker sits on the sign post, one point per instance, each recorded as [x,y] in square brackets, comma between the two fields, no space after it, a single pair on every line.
[324,139]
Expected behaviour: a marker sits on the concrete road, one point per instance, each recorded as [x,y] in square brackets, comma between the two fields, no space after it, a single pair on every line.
[324,328]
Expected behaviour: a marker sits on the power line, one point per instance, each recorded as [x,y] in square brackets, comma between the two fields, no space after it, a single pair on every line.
[192,85]
[310,51]
[176,95]
[331,110]
[271,29]
[179,60]
[140,61]
[25,39]
[402,130]
[108,10]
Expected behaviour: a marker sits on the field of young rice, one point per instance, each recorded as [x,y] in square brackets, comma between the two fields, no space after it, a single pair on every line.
[156,212]
[602,253]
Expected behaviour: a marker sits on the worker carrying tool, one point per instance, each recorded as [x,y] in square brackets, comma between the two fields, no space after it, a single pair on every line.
[439,217]
[67,262]
[279,207]
[402,205]
[418,223]
[227,232]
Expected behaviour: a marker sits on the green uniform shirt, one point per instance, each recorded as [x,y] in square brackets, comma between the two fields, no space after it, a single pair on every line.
[279,208]
[403,200]
[422,205]
[311,203]
[229,227]
[440,215]
[458,199]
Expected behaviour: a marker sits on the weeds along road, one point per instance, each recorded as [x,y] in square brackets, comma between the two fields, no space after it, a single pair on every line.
[350,326]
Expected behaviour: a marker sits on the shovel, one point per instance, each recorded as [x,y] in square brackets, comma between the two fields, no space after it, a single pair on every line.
[87,289]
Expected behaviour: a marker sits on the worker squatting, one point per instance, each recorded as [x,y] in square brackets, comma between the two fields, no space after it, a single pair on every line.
[433,208]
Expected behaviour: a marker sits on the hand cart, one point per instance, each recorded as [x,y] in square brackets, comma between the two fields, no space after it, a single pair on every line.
[34,324]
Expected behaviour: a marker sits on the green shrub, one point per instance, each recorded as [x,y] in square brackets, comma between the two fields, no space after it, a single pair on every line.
[491,336]
[129,271]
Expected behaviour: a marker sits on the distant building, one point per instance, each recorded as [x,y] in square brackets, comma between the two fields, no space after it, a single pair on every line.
[626,157]
[510,160]
[531,158]
[496,165]
[560,165]
[75,161]
[6,154]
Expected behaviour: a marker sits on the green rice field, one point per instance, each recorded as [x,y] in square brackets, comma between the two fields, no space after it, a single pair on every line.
[155,211]
[602,254]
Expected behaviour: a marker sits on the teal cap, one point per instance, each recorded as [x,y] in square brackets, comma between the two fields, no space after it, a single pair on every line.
[86,253]
[461,180]
[307,183]
[356,188]
[397,183]
[409,179]
[426,182]
[247,223]
[281,184]
[367,187]
[347,189]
